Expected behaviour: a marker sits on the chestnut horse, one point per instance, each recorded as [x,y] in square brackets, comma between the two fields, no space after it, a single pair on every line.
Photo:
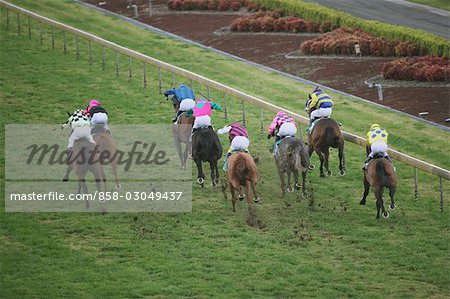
[242,172]
[380,174]
[326,133]
[292,157]
[206,147]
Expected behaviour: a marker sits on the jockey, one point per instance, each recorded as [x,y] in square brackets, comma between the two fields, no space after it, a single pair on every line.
[202,113]
[377,143]
[238,140]
[318,105]
[282,125]
[98,114]
[81,128]
[182,95]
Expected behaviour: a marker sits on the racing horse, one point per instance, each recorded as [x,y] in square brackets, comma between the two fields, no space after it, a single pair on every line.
[325,134]
[380,173]
[292,157]
[206,147]
[181,130]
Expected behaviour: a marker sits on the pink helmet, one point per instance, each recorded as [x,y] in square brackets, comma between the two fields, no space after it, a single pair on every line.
[281,113]
[92,103]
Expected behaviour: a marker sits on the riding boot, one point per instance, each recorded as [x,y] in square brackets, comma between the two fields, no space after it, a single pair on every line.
[366,163]
[225,161]
[174,119]
[388,158]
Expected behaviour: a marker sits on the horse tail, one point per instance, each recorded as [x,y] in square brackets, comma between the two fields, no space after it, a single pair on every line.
[300,161]
[241,170]
[382,174]
[332,137]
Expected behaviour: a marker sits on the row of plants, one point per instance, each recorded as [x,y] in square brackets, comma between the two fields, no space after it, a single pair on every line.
[426,68]
[267,21]
[433,44]
[220,5]
[342,42]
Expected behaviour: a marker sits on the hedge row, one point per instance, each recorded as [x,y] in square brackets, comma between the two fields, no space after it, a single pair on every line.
[427,68]
[314,12]
[220,5]
[275,21]
[342,42]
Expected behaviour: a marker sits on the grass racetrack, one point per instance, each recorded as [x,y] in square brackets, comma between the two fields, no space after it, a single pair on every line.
[331,247]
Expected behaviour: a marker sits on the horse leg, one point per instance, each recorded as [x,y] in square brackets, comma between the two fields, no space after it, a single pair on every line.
[247,194]
[185,156]
[255,195]
[233,196]
[297,185]
[366,191]
[326,155]
[341,159]
[200,176]
[310,152]
[68,171]
[282,183]
[392,191]
[212,167]
[84,190]
[304,182]
[178,147]
[380,205]
[117,186]
[322,160]
[289,189]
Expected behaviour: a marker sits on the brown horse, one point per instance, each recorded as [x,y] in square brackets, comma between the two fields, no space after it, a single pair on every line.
[107,144]
[326,133]
[292,157]
[242,172]
[84,158]
[181,133]
[380,174]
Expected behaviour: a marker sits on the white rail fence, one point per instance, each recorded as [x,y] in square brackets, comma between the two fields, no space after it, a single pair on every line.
[208,83]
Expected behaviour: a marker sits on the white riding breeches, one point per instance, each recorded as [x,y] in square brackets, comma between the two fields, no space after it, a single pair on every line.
[186,104]
[239,143]
[378,147]
[321,112]
[287,129]
[78,133]
[202,121]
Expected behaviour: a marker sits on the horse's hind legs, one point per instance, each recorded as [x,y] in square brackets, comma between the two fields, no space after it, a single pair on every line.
[201,175]
[282,183]
[289,188]
[68,171]
[341,160]
[392,205]
[366,191]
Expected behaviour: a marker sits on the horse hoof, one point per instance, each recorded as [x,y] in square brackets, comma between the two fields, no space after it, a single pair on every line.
[385,214]
[290,190]
[256,199]
[298,186]
[216,181]
[341,172]
[392,206]
[304,195]
[322,175]
[241,197]
[65,179]
[329,173]
[118,186]
[311,167]
[362,202]
[200,181]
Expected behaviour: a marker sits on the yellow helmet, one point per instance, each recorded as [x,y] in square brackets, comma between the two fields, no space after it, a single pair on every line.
[374,126]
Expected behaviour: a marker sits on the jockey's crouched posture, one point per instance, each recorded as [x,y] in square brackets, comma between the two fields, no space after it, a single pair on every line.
[202,113]
[238,140]
[282,125]
[317,106]
[81,128]
[98,114]
[376,143]
[184,96]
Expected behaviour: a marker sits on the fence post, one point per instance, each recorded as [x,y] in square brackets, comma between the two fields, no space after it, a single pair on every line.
[191,85]
[225,114]
[77,49]
[90,53]
[53,38]
[145,75]
[7,19]
[261,119]
[441,189]
[18,24]
[243,113]
[130,75]
[41,35]
[159,79]
[117,64]
[29,28]
[103,58]
[64,42]
[416,184]
[208,91]
[173,80]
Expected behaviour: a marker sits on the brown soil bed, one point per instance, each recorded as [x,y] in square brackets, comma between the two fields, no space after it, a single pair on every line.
[343,74]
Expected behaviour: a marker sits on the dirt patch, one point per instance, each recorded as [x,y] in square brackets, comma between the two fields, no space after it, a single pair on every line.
[348,75]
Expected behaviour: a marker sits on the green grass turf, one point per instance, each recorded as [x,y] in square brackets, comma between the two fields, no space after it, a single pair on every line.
[442,4]
[334,248]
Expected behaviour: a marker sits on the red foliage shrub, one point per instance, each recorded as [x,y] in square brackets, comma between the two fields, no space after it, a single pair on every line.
[342,41]
[221,5]
[426,68]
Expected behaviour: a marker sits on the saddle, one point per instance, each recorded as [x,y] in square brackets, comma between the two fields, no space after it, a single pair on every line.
[311,127]
[275,145]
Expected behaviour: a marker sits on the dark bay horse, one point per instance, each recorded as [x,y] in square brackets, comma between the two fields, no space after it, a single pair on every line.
[380,174]
[84,158]
[206,147]
[242,172]
[292,157]
[326,133]
[181,130]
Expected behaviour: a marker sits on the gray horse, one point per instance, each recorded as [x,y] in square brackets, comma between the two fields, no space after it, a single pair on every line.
[292,156]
